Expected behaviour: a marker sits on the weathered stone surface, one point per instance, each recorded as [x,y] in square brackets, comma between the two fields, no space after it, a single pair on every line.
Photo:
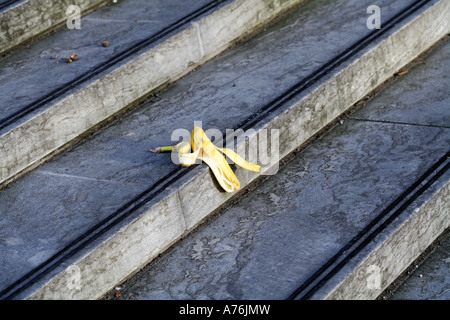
[406,94]
[118,155]
[27,19]
[271,241]
[37,221]
[140,241]
[25,143]
[430,280]
[403,241]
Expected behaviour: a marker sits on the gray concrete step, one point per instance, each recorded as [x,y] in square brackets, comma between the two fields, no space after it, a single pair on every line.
[85,221]
[23,20]
[427,278]
[341,220]
[46,104]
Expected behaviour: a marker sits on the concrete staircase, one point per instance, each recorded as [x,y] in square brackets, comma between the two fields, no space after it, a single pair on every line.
[151,44]
[85,206]
[340,219]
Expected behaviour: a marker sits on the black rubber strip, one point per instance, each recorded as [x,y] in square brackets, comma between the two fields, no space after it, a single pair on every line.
[132,206]
[66,87]
[7,3]
[373,229]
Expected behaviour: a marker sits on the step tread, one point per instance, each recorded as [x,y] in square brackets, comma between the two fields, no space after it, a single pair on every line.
[72,99]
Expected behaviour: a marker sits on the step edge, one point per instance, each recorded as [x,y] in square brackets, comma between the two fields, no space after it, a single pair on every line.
[11,14]
[357,285]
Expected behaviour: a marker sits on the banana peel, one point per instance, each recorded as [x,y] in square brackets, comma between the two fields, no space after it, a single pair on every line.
[205,150]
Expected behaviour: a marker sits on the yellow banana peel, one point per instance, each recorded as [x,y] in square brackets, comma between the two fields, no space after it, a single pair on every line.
[205,150]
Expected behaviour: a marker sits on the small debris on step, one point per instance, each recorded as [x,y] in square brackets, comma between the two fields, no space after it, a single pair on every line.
[402,73]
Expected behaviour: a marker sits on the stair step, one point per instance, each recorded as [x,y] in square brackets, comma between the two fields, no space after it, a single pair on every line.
[47,104]
[427,277]
[106,208]
[24,20]
[341,220]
